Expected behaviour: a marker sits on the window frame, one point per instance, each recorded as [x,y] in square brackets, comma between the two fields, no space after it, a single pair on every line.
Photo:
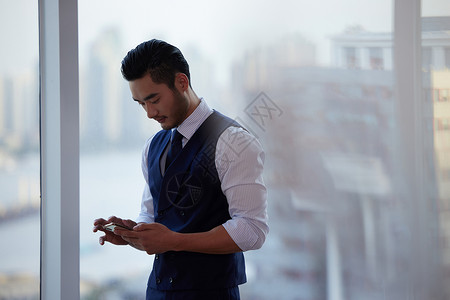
[59,134]
[59,114]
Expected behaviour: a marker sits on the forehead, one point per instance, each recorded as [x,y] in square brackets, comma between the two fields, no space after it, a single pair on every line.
[142,87]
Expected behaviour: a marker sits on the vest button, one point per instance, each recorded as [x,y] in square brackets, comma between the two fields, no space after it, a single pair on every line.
[182,212]
[170,279]
[158,281]
[157,256]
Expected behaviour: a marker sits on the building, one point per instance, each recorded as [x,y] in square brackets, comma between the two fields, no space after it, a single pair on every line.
[334,147]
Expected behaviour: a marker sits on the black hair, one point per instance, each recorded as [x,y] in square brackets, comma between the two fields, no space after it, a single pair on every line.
[157,58]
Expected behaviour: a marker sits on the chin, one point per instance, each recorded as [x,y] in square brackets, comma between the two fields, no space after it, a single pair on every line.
[167,126]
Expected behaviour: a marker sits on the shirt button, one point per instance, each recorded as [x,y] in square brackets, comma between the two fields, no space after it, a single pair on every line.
[158,281]
[170,279]
[182,212]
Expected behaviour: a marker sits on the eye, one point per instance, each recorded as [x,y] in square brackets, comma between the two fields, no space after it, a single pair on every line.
[156,101]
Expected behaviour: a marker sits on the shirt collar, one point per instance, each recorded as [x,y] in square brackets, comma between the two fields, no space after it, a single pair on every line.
[193,122]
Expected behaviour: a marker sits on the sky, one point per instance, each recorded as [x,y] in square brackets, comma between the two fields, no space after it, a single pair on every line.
[219,29]
[222,29]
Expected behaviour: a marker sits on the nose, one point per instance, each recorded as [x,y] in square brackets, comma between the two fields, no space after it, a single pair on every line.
[151,111]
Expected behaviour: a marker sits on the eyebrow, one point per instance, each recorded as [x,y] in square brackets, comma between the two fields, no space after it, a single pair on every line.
[153,95]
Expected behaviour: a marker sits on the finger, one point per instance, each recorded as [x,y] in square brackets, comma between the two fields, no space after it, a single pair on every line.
[129,223]
[138,227]
[114,219]
[125,233]
[100,221]
[142,227]
[102,240]
[131,241]
[97,228]
[98,224]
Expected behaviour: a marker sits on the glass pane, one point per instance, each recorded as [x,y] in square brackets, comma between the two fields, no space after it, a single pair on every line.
[112,132]
[436,77]
[19,151]
[319,95]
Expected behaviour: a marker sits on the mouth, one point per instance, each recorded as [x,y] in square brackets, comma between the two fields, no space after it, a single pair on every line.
[160,119]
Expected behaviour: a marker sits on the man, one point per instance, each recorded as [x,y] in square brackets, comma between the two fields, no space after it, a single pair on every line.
[202,206]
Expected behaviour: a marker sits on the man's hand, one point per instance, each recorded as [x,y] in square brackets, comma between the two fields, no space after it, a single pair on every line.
[110,236]
[152,238]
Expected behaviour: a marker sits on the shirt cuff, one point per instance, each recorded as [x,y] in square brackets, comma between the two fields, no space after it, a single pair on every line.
[144,218]
[245,234]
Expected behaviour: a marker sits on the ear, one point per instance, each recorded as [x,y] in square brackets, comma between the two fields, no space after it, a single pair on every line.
[181,81]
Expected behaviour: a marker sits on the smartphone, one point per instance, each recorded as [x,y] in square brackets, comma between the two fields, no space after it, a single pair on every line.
[111,226]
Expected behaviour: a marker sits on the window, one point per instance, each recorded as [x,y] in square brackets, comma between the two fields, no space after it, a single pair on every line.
[376,58]
[436,23]
[344,201]
[338,132]
[441,95]
[350,58]
[444,95]
[443,124]
[19,151]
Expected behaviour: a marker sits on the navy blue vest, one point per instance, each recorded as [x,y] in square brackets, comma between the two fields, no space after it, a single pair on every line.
[187,199]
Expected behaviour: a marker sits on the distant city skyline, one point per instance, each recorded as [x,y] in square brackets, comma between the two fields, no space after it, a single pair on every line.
[214,27]
[331,162]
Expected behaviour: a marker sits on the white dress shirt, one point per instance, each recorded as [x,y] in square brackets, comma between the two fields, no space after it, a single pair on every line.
[239,162]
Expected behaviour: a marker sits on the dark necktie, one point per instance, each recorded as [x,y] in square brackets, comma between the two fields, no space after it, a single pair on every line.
[175,147]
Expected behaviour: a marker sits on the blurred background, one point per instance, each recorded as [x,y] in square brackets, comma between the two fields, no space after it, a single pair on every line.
[314,81]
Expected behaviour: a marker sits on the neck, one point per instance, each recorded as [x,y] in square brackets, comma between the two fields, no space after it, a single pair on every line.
[193,99]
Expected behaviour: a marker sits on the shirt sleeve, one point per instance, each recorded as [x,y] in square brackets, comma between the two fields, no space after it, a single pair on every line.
[240,163]
[146,215]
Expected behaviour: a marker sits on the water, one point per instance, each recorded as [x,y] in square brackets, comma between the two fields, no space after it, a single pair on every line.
[20,250]
[110,184]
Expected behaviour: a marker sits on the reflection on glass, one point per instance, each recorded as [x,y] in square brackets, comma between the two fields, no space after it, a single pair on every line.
[321,98]
[436,83]
[19,151]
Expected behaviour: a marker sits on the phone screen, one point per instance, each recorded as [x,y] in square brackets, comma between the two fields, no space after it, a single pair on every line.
[111,226]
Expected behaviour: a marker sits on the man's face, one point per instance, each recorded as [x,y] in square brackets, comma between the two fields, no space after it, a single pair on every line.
[166,106]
